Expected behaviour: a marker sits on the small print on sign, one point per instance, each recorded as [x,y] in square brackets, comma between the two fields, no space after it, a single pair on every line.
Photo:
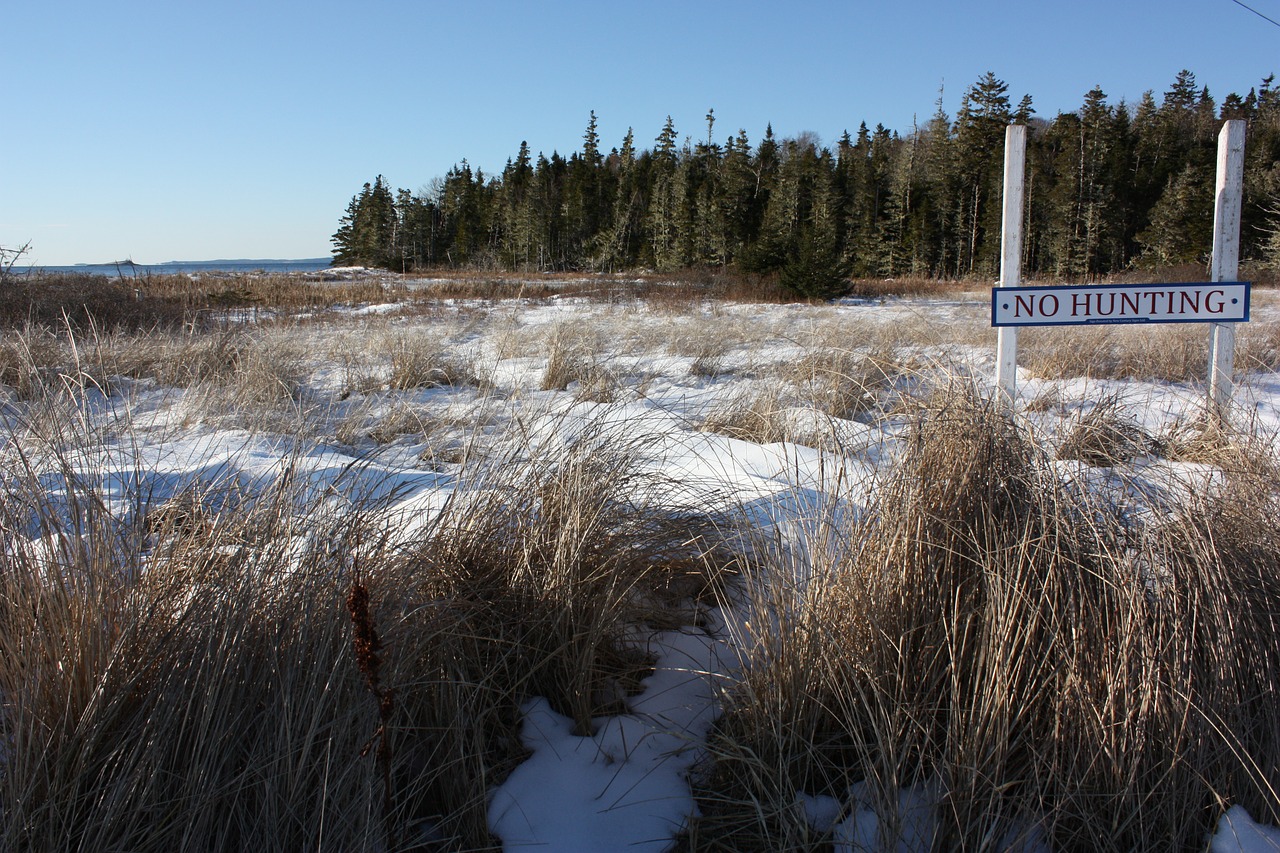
[1083,305]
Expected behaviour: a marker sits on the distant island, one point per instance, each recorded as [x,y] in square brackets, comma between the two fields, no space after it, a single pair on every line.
[242,261]
[130,262]
[131,267]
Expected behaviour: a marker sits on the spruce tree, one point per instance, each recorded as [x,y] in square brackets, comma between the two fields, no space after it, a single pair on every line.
[618,242]
[519,223]
[979,133]
[815,267]
[344,238]
[665,202]
[1181,222]
[737,190]
[366,233]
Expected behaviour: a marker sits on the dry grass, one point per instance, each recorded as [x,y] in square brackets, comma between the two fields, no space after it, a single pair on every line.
[210,294]
[996,639]
[83,300]
[1258,347]
[400,421]
[708,358]
[577,356]
[1243,448]
[29,362]
[757,413]
[263,391]
[1174,353]
[422,360]
[844,383]
[1104,436]
[173,301]
[37,361]
[179,671]
[171,685]
[909,286]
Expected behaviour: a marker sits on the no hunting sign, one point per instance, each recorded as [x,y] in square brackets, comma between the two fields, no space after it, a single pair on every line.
[1087,305]
[1220,302]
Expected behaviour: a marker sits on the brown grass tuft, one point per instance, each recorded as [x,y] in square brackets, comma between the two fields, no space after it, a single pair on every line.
[1020,655]
[182,675]
[1103,436]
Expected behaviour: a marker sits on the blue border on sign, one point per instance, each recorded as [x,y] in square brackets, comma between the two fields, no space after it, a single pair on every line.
[1248,302]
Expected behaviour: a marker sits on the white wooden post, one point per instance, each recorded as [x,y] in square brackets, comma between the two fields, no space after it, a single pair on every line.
[1225,265]
[1015,156]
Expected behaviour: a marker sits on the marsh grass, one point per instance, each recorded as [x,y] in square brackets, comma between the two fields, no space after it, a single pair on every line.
[400,421]
[29,361]
[708,359]
[756,413]
[36,361]
[1105,436]
[1259,346]
[175,683]
[425,361]
[578,357]
[846,383]
[1175,353]
[179,670]
[1028,660]
[1238,445]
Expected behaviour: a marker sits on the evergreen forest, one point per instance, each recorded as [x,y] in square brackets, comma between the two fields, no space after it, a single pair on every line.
[1110,187]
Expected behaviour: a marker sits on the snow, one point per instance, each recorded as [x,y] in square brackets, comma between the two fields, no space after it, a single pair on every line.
[1237,833]
[625,785]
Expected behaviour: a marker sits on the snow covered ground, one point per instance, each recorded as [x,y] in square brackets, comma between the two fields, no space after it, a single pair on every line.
[729,406]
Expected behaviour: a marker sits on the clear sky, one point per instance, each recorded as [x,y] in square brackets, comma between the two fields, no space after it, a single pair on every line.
[190,131]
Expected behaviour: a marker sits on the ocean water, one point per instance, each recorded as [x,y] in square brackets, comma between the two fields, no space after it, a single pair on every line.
[126,270]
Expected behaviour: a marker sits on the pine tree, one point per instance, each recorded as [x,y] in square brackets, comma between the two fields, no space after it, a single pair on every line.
[1269,247]
[850,188]
[787,206]
[979,133]
[519,222]
[618,243]
[935,208]
[737,193]
[665,202]
[815,267]
[895,238]
[344,238]
[1082,233]
[1105,185]
[549,178]
[708,244]
[366,233]
[1181,222]
[1260,213]
[584,195]
[758,253]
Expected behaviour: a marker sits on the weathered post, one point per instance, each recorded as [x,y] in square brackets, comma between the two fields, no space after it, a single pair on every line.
[1225,265]
[1015,155]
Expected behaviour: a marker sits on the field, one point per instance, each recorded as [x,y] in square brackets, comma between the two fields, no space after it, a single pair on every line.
[479,563]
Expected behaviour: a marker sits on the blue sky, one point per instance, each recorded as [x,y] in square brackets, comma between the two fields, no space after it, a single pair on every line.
[187,131]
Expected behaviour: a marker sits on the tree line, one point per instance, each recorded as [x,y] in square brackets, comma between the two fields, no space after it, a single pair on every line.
[1109,187]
